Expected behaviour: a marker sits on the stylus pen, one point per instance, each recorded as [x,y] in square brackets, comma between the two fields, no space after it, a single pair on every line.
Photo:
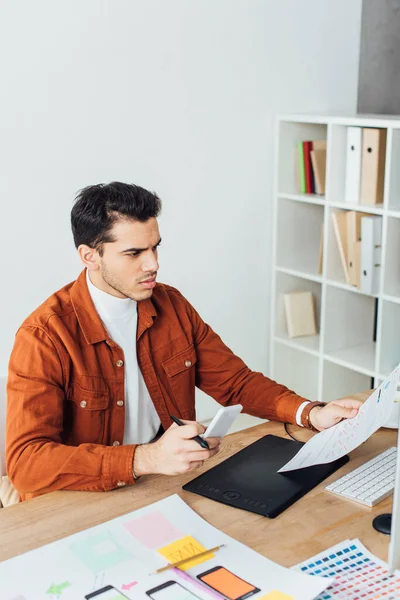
[196,583]
[197,438]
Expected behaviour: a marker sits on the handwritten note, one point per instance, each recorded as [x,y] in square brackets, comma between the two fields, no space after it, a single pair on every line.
[185,548]
[153,530]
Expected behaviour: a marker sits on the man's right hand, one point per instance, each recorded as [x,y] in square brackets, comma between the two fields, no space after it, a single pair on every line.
[175,452]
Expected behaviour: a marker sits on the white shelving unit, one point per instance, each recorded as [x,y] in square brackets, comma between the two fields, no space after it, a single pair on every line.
[358,343]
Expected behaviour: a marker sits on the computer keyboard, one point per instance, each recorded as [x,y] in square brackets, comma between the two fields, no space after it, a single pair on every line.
[370,483]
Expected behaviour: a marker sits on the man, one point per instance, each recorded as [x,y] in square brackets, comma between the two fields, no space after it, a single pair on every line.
[97,370]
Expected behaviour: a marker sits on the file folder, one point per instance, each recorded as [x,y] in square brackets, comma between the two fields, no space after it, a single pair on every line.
[371,249]
[339,221]
[373,166]
[353,224]
[353,165]
[318,162]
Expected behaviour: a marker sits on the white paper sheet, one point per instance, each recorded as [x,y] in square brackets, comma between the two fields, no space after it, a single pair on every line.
[333,443]
[125,552]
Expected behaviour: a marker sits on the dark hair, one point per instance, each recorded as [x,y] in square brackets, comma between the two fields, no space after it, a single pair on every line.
[98,207]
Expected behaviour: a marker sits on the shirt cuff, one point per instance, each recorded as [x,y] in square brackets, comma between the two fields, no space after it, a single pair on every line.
[117,466]
[299,411]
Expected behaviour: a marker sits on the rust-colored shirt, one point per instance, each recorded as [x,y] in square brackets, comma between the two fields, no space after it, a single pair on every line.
[65,417]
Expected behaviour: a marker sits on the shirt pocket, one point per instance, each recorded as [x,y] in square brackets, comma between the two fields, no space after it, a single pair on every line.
[86,415]
[181,377]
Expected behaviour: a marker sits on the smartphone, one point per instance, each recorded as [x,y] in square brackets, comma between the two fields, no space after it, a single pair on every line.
[222,421]
[171,590]
[107,593]
[228,584]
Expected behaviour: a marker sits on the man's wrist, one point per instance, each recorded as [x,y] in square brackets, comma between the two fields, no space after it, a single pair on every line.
[142,461]
[308,417]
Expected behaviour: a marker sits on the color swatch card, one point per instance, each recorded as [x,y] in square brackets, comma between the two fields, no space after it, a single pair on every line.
[358,574]
[335,442]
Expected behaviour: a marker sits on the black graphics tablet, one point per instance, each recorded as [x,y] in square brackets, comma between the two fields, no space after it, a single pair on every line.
[249,479]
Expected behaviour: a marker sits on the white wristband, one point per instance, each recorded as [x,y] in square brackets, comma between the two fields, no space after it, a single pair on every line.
[299,411]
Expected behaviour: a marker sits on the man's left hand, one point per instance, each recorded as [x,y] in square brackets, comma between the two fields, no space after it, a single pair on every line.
[323,417]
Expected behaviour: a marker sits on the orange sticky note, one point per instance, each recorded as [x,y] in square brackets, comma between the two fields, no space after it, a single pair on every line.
[185,548]
[275,595]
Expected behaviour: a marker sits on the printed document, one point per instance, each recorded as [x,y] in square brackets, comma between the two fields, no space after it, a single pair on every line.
[335,442]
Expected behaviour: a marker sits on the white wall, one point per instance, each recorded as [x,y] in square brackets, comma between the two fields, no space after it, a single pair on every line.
[178,96]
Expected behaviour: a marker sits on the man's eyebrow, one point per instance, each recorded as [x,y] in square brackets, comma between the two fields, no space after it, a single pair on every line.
[139,249]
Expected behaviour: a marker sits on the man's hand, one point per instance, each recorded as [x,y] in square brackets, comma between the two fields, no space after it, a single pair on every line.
[323,417]
[175,452]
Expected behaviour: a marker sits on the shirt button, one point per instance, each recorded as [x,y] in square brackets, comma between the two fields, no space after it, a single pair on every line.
[188,363]
[120,402]
[83,404]
[120,363]
[121,483]
[116,443]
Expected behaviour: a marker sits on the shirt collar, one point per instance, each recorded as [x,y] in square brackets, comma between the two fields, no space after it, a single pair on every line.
[89,319]
[110,307]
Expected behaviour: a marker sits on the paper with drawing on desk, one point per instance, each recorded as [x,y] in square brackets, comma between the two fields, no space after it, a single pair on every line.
[335,442]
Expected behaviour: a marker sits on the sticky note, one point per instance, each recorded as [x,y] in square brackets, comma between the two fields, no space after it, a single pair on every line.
[185,548]
[153,530]
[275,595]
[100,552]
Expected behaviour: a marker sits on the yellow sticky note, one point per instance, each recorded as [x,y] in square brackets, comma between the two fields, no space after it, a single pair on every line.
[185,548]
[275,595]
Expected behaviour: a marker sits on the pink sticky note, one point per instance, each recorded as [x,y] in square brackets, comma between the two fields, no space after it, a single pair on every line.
[153,530]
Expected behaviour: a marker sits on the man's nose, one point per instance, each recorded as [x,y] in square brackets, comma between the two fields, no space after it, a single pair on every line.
[150,263]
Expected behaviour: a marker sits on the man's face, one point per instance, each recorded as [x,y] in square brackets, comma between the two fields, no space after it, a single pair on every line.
[129,265]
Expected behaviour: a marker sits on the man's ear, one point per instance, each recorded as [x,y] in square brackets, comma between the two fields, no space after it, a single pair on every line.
[89,257]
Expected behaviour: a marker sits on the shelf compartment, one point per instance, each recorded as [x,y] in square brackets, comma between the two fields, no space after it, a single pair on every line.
[290,134]
[286,284]
[391,284]
[308,344]
[300,274]
[339,381]
[296,369]
[308,198]
[299,235]
[360,358]
[349,329]
[350,288]
[390,337]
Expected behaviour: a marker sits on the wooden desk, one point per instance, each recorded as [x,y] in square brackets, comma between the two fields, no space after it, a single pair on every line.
[311,525]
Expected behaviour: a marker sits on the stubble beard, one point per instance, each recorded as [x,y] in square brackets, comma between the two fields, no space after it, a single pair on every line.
[116,285]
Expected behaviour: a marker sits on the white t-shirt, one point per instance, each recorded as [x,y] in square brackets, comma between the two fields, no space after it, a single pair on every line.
[119,316]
